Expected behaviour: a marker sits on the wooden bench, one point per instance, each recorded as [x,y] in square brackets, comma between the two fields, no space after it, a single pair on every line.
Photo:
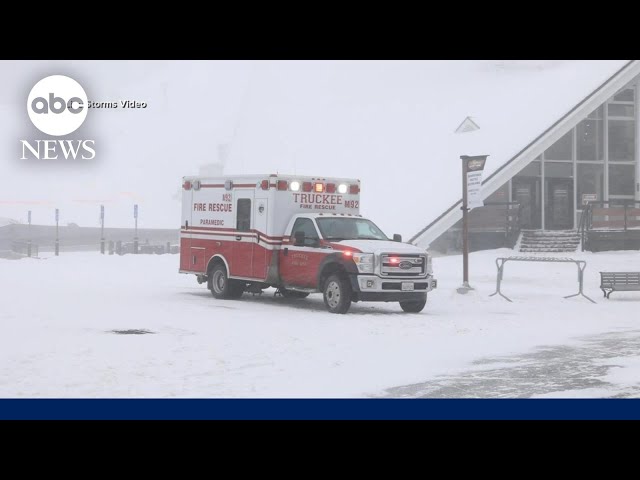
[620,281]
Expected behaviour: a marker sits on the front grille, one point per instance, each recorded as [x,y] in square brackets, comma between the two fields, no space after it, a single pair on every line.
[398,286]
[403,265]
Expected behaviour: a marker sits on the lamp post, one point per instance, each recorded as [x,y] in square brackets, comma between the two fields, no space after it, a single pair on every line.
[472,168]
[29,234]
[57,247]
[102,229]
[135,238]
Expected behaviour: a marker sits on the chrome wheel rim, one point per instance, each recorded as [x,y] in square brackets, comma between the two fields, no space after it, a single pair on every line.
[333,294]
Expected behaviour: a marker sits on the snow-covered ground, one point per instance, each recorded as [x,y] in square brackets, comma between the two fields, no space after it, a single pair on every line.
[57,315]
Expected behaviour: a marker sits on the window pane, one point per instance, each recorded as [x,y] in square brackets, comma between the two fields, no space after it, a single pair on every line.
[305,225]
[622,179]
[590,183]
[531,170]
[622,140]
[500,195]
[558,170]
[625,95]
[597,114]
[561,150]
[590,137]
[621,110]
[243,219]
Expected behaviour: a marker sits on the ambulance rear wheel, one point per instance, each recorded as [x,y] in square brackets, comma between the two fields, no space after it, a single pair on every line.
[337,294]
[222,286]
[413,307]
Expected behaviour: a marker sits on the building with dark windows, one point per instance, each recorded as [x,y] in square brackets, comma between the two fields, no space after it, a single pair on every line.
[576,182]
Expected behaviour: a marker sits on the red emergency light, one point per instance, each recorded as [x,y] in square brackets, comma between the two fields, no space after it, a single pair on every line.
[354,189]
[306,187]
[282,184]
[347,253]
[318,187]
[394,260]
[264,184]
[331,188]
[187,185]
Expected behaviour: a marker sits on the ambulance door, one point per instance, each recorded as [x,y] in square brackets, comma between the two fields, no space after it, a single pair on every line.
[299,264]
[262,248]
[186,261]
[243,238]
[197,244]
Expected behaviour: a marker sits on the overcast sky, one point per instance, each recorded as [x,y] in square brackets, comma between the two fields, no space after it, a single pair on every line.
[388,123]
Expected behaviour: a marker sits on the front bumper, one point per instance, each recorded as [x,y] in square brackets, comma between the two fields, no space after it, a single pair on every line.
[374,288]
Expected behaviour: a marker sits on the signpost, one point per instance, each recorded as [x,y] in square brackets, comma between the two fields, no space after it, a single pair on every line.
[102,229]
[472,168]
[589,197]
[57,237]
[135,239]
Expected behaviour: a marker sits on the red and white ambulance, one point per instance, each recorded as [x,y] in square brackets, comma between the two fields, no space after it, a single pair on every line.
[300,235]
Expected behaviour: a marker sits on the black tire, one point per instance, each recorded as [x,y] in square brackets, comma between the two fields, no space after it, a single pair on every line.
[413,307]
[237,288]
[337,294]
[293,294]
[222,286]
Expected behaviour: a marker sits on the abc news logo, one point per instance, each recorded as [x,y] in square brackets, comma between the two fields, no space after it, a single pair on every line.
[57,106]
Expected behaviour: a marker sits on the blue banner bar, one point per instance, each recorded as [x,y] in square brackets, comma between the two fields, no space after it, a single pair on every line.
[317,409]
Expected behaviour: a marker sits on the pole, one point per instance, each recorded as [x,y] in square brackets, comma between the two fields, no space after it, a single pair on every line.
[465,231]
[135,239]
[465,228]
[472,168]
[102,229]
[29,235]
[57,237]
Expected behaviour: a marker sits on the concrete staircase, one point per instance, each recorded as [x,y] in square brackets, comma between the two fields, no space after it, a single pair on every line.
[537,241]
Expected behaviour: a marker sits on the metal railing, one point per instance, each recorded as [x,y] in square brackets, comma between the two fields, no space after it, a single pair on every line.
[609,215]
[501,217]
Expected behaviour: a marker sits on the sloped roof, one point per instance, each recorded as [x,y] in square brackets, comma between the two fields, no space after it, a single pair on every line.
[498,173]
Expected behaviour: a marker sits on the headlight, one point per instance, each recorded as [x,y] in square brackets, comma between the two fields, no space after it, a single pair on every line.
[364,261]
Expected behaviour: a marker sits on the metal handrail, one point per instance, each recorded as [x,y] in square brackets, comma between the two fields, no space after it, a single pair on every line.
[583,223]
[624,203]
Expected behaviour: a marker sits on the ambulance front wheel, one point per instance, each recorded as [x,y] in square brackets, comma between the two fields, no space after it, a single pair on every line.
[222,286]
[337,294]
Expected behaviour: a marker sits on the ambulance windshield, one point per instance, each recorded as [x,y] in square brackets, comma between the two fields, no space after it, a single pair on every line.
[349,229]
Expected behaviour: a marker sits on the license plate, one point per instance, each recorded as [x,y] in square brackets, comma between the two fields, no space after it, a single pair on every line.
[407,286]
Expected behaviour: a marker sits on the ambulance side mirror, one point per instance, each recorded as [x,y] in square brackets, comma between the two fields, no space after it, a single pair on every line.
[397,237]
[299,239]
